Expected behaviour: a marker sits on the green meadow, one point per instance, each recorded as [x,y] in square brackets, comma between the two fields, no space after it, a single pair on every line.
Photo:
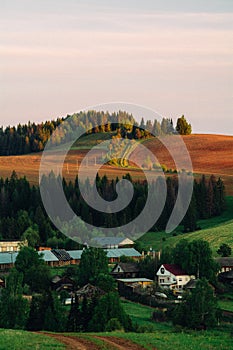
[216,231]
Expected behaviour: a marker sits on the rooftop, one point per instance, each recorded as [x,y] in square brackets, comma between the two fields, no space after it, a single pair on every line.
[112,241]
[8,257]
[127,267]
[134,280]
[47,255]
[175,269]
[225,261]
[118,252]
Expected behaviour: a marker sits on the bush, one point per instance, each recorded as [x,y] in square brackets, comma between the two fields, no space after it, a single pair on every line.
[113,325]
[145,328]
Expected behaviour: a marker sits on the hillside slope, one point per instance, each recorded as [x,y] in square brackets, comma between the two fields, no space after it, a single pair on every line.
[210,154]
[216,231]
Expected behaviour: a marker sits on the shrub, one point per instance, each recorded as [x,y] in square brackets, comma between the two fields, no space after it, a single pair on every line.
[113,325]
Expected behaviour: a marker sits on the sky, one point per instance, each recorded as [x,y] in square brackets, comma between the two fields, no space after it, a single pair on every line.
[59,56]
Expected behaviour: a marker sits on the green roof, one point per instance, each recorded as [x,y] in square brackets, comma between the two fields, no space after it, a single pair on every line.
[75,254]
[111,253]
[118,252]
[8,257]
[47,255]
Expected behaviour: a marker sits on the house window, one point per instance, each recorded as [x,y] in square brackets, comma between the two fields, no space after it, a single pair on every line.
[180,279]
[161,280]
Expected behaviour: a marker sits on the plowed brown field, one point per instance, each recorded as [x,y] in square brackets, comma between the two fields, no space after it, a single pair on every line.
[210,154]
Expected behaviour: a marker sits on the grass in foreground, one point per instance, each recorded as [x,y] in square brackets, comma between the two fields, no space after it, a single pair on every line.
[165,336]
[22,340]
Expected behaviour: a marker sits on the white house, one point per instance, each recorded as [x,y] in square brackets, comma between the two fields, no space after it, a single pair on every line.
[173,277]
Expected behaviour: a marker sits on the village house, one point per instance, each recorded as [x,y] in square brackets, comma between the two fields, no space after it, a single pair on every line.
[63,256]
[7,260]
[113,242]
[12,246]
[226,277]
[113,255]
[125,270]
[171,276]
[75,256]
[63,283]
[129,284]
[49,258]
[225,263]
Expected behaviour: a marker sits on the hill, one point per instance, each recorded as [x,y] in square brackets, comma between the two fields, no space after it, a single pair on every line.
[216,231]
[210,154]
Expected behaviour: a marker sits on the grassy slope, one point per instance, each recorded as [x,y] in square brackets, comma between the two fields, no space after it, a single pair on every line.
[164,337]
[216,231]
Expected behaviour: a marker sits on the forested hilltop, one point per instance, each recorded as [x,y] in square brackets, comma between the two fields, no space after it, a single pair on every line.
[22,214]
[31,137]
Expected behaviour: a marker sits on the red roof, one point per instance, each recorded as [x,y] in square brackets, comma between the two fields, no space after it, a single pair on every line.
[175,269]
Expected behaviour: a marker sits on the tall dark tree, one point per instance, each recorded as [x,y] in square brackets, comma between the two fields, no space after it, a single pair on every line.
[195,258]
[109,307]
[93,262]
[199,308]
[14,309]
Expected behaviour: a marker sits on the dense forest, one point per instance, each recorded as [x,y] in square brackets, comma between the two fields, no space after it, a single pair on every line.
[22,214]
[31,137]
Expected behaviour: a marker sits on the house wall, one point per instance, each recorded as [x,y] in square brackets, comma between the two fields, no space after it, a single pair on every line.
[169,280]
[11,246]
[226,268]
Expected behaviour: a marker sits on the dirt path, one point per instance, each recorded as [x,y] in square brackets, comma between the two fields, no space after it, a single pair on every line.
[72,342]
[79,343]
[119,343]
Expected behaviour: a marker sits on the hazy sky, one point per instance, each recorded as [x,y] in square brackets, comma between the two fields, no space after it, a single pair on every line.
[59,56]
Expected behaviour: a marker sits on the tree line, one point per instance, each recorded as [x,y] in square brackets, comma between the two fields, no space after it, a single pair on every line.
[32,137]
[22,214]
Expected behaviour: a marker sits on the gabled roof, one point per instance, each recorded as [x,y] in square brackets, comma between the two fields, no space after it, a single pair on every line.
[225,261]
[89,291]
[8,257]
[75,254]
[112,241]
[55,279]
[61,254]
[118,252]
[48,256]
[175,269]
[127,267]
[111,253]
